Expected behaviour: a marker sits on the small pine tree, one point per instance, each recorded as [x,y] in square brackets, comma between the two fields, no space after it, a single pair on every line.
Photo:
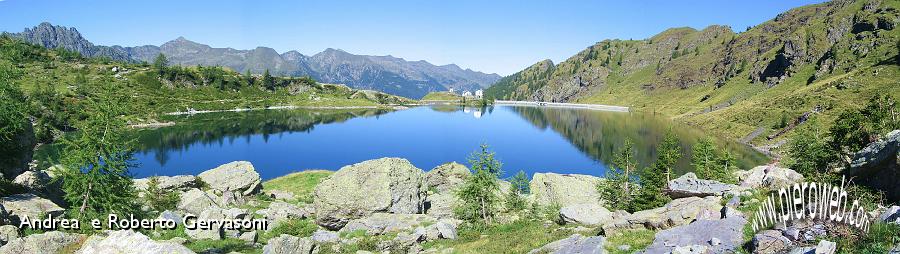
[808,153]
[519,186]
[616,189]
[268,81]
[704,158]
[158,199]
[479,192]
[160,63]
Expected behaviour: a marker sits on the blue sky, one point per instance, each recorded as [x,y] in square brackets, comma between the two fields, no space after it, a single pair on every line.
[492,36]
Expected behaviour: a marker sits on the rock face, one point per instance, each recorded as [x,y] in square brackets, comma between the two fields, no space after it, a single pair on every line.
[770,242]
[196,201]
[381,223]
[288,244]
[565,189]
[446,177]
[587,214]
[45,243]
[891,215]
[878,165]
[127,241]
[236,176]
[169,183]
[689,186]
[718,236]
[20,205]
[768,176]
[389,185]
[8,233]
[41,183]
[575,244]
[676,213]
[212,213]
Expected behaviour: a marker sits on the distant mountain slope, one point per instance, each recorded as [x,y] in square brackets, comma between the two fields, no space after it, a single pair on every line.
[394,75]
[828,56]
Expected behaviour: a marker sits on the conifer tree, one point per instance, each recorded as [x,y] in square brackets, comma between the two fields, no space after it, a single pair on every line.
[479,193]
[519,186]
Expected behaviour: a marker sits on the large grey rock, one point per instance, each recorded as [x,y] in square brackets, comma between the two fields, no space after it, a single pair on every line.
[446,177]
[768,176]
[389,185]
[235,176]
[689,186]
[324,236]
[871,157]
[575,244]
[587,214]
[20,205]
[565,189]
[441,205]
[676,213]
[718,236]
[8,233]
[770,242]
[41,184]
[382,223]
[212,213]
[45,243]
[127,241]
[891,215]
[168,183]
[288,244]
[279,211]
[196,201]
[447,230]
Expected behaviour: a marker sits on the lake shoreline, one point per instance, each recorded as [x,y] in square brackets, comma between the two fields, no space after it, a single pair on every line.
[194,112]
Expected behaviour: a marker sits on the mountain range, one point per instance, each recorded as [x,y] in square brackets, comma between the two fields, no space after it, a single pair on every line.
[820,58]
[389,74]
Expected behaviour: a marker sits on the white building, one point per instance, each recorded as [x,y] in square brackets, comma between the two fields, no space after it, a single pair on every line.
[467,94]
[452,91]
[479,94]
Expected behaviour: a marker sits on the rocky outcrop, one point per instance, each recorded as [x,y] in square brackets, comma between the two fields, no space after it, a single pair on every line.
[288,244]
[586,214]
[382,223]
[768,176]
[689,186]
[446,177]
[41,184]
[279,211]
[8,233]
[389,185]
[22,149]
[212,213]
[564,189]
[770,242]
[878,166]
[717,236]
[574,244]
[127,241]
[168,183]
[20,205]
[891,215]
[676,213]
[238,176]
[45,243]
[196,201]
[824,247]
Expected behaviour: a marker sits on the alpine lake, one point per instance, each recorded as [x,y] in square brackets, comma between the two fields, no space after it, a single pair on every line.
[528,138]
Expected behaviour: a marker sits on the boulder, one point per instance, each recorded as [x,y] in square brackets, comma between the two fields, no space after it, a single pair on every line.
[441,205]
[8,233]
[586,214]
[382,223]
[168,183]
[718,236]
[768,176]
[41,184]
[387,185]
[235,176]
[676,213]
[891,215]
[128,241]
[446,177]
[325,236]
[565,189]
[689,186]
[45,243]
[20,205]
[877,166]
[288,244]
[249,237]
[770,242]
[574,244]
[170,215]
[446,230]
[280,195]
[196,201]
[212,213]
[279,211]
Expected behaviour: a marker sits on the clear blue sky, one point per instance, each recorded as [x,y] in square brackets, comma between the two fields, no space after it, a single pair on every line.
[491,36]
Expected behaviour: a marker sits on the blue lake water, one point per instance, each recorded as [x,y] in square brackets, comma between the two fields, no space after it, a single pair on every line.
[532,139]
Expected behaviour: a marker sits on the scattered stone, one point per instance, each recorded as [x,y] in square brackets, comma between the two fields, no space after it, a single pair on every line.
[288,244]
[769,242]
[45,243]
[587,214]
[689,249]
[768,176]
[280,195]
[212,213]
[717,236]
[624,247]
[168,183]
[8,233]
[232,198]
[324,236]
[127,241]
[381,223]
[389,185]
[249,237]
[170,215]
[196,201]
[447,230]
[826,247]
[446,177]
[279,211]
[689,186]
[891,215]
[574,244]
[676,213]
[564,189]
[20,205]
[235,176]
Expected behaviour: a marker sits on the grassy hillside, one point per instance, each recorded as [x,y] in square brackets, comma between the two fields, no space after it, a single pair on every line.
[441,96]
[831,57]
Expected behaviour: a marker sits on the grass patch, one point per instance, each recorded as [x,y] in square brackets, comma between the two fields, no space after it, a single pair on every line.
[301,184]
[518,237]
[637,239]
[294,227]
[441,96]
[225,246]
